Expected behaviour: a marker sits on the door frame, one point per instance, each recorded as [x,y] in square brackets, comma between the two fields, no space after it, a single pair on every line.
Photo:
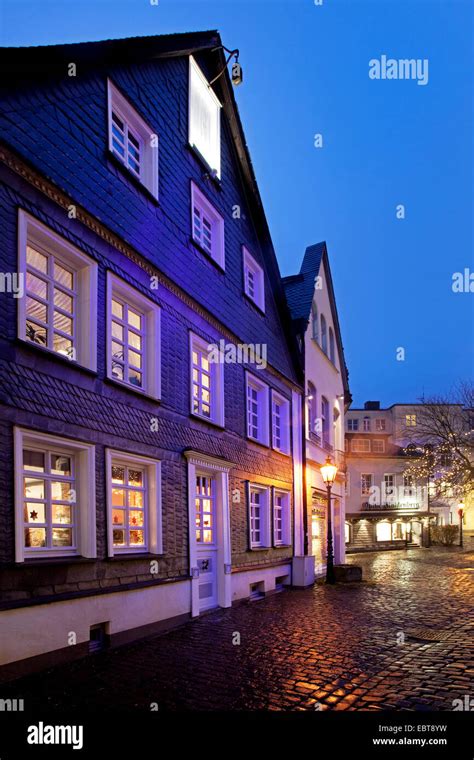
[219,470]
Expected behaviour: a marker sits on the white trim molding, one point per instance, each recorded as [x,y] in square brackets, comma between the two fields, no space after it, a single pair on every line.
[153,505]
[82,496]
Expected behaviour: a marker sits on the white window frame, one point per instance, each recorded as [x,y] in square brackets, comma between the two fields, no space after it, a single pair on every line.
[252,268]
[265,524]
[118,289]
[211,154]
[380,424]
[366,425]
[153,506]
[385,494]
[216,390]
[284,405]
[263,424]
[38,235]
[83,500]
[362,448]
[379,442]
[365,490]
[147,139]
[410,420]
[285,518]
[353,424]
[216,221]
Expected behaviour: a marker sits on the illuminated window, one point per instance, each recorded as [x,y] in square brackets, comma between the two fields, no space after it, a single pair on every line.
[347,532]
[205,509]
[383,531]
[59,310]
[133,323]
[257,410]
[204,118]
[365,484]
[280,423]
[207,226]
[132,141]
[55,485]
[207,382]
[281,518]
[410,420]
[253,280]
[259,516]
[134,503]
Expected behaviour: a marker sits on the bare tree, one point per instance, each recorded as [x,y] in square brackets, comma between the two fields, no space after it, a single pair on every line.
[441,445]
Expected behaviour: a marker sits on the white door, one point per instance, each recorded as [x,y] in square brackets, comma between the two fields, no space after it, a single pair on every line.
[206,540]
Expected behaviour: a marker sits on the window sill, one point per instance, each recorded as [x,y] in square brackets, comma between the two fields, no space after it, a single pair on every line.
[207,421]
[59,358]
[258,443]
[254,304]
[131,177]
[282,546]
[260,548]
[283,453]
[132,389]
[119,557]
[205,253]
[204,165]
[51,560]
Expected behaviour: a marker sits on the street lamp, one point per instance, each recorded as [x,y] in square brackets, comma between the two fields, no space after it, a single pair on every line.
[329,472]
[461,515]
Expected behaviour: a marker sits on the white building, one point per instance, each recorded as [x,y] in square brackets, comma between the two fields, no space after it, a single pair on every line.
[384,507]
[312,303]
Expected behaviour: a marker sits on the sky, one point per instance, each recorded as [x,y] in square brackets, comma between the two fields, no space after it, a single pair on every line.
[386,144]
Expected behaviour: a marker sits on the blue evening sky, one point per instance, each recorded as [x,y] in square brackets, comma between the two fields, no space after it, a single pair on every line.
[384,143]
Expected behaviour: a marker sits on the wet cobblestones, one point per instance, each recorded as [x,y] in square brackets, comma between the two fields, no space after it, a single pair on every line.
[402,639]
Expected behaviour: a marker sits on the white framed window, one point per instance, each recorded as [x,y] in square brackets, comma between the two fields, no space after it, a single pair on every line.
[380,424]
[257,394]
[378,446]
[205,504]
[315,324]
[324,334]
[347,484]
[312,410]
[207,226]
[59,310]
[54,496]
[366,424]
[388,485]
[133,338]
[365,483]
[332,354]
[281,518]
[325,424]
[254,284]
[133,503]
[204,118]
[280,423]
[360,445]
[353,424]
[410,420]
[383,531]
[207,382]
[259,516]
[132,141]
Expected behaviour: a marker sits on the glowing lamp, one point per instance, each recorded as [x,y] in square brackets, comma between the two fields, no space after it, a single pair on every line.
[329,472]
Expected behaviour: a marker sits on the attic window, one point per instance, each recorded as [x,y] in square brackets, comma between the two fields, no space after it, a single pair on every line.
[207,226]
[204,118]
[253,280]
[132,141]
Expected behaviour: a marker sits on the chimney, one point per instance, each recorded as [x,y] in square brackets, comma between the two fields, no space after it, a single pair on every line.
[372,405]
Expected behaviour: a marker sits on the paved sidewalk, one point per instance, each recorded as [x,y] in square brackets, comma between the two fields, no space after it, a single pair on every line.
[402,639]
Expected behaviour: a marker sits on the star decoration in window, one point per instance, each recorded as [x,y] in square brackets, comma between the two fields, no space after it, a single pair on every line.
[33,515]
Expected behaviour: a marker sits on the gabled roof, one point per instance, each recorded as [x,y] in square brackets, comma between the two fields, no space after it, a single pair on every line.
[27,64]
[299,290]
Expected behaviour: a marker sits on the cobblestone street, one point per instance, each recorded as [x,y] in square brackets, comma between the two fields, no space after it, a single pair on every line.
[402,639]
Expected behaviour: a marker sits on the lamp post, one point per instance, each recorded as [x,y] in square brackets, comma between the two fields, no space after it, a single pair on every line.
[329,472]
[461,515]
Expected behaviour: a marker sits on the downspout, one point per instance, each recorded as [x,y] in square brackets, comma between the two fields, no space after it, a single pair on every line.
[303,457]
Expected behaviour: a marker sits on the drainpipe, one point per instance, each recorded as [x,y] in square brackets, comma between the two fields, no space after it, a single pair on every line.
[303,435]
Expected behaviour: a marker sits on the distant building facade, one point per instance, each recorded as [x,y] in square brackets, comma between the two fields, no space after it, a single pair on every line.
[385,508]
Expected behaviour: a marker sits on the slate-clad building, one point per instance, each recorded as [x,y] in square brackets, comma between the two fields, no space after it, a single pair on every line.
[149,385]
